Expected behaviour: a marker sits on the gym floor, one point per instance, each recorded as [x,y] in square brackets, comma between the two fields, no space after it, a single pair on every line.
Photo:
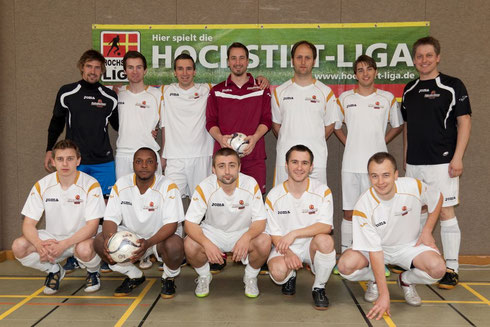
[22,302]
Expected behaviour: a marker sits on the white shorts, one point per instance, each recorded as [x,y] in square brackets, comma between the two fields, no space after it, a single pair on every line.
[353,185]
[437,176]
[70,252]
[188,173]
[124,164]
[281,174]
[301,248]
[402,255]
[225,241]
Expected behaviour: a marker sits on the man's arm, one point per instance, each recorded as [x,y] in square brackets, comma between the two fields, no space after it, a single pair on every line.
[329,130]
[340,135]
[405,145]
[220,138]
[392,133]
[275,129]
[291,259]
[240,250]
[30,232]
[163,233]
[382,304]
[213,253]
[426,237]
[310,231]
[56,126]
[464,129]
[163,160]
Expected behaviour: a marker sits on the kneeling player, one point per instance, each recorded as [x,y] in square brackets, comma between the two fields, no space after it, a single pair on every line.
[149,206]
[299,221]
[235,221]
[73,204]
[386,229]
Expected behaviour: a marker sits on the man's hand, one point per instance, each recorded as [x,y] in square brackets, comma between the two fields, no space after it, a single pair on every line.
[263,82]
[43,252]
[223,141]
[154,133]
[107,257]
[55,249]
[251,145]
[285,242]
[381,306]
[49,162]
[292,261]
[213,253]
[426,238]
[240,250]
[137,254]
[455,167]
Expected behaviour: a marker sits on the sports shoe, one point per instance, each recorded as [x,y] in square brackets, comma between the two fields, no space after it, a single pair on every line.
[372,293]
[92,282]
[216,268]
[145,263]
[396,269]
[409,292]
[320,298]
[104,267]
[449,280]
[184,263]
[53,281]
[71,265]
[264,270]
[168,288]
[387,272]
[160,266]
[251,287]
[202,288]
[289,288]
[335,270]
[128,285]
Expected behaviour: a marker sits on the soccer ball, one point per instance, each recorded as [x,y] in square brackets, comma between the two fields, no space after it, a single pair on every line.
[121,246]
[238,143]
[118,53]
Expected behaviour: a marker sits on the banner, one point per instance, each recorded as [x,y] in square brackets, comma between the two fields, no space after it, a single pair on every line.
[338,46]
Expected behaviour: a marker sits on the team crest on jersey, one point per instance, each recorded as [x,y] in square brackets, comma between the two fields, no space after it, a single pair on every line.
[312,99]
[404,211]
[376,105]
[76,200]
[194,96]
[142,105]
[311,210]
[150,207]
[98,104]
[256,87]
[241,205]
[432,95]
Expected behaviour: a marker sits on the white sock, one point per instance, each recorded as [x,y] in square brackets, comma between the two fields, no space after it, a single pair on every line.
[128,269]
[33,260]
[251,272]
[204,271]
[365,273]
[451,239]
[417,276]
[292,273]
[323,264]
[167,272]
[345,235]
[93,265]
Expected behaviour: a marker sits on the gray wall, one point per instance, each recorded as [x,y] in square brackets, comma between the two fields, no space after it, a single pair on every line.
[42,40]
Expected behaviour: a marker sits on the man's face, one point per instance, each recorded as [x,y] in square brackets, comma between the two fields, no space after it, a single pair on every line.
[226,168]
[238,61]
[383,177]
[66,162]
[299,166]
[426,60]
[145,164]
[303,60]
[135,69]
[365,75]
[91,71]
[184,72]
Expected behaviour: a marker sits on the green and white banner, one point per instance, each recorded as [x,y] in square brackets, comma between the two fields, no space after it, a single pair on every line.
[338,46]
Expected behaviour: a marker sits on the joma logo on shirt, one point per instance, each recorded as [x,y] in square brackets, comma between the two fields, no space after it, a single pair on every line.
[283,212]
[89,97]
[52,200]
[217,204]
[126,203]
[380,224]
[173,95]
[350,105]
[288,98]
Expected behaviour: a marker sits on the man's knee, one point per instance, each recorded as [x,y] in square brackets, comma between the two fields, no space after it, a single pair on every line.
[351,261]
[278,270]
[20,247]
[262,243]
[85,250]
[173,248]
[191,247]
[323,243]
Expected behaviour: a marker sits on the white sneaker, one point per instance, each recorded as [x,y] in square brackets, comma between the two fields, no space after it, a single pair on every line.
[409,292]
[145,263]
[92,282]
[372,293]
[202,288]
[251,287]
[53,281]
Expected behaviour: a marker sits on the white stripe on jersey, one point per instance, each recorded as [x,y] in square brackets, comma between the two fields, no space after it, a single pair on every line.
[453,94]
[239,97]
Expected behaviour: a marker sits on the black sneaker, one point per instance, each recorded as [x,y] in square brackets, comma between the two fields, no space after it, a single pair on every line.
[128,285]
[449,280]
[289,288]
[160,266]
[52,281]
[216,268]
[92,282]
[104,267]
[264,270]
[168,288]
[320,298]
[71,265]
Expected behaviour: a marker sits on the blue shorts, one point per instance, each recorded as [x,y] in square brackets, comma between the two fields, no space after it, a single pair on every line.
[104,173]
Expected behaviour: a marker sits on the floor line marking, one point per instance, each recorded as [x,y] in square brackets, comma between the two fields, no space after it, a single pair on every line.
[477,283]
[21,303]
[135,303]
[387,318]
[358,305]
[450,305]
[66,278]
[71,297]
[475,293]
[147,314]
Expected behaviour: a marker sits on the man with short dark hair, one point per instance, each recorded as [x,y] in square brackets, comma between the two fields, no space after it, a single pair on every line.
[437,112]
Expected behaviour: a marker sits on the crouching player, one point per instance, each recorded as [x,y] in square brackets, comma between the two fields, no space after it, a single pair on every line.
[386,230]
[73,204]
[299,221]
[149,206]
[235,222]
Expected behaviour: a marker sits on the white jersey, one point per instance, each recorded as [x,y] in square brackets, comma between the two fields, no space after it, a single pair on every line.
[228,213]
[184,119]
[144,214]
[379,225]
[285,213]
[66,210]
[139,115]
[366,118]
[303,113]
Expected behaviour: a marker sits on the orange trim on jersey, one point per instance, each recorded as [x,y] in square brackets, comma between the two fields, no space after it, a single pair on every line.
[275,96]
[327,192]
[38,188]
[256,188]
[268,202]
[373,195]
[154,180]
[330,95]
[114,187]
[210,86]
[341,108]
[237,181]
[94,185]
[274,178]
[201,193]
[393,102]
[359,214]
[57,178]
[419,184]
[171,187]
[285,186]
[76,178]
[134,179]
[308,185]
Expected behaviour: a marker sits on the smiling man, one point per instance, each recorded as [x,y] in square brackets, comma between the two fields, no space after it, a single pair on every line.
[366,112]
[386,230]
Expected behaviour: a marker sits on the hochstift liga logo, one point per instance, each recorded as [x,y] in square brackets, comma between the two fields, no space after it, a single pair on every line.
[114,45]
